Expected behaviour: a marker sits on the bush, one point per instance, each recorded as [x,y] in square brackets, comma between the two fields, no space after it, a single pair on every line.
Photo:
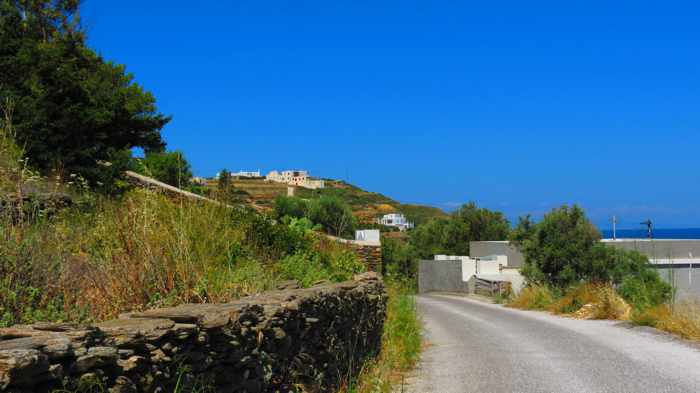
[289,206]
[169,167]
[558,249]
[452,235]
[309,267]
[563,251]
[334,215]
[398,258]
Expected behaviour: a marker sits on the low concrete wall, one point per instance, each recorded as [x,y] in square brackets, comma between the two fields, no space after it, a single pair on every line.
[445,276]
[274,342]
[685,280]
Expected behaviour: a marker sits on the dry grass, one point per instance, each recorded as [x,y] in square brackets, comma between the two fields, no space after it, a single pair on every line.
[683,319]
[592,301]
[533,297]
[138,252]
[584,301]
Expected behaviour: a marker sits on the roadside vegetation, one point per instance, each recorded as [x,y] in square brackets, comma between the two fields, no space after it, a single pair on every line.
[401,343]
[570,272]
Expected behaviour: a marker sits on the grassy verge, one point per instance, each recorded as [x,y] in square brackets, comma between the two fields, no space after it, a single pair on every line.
[109,254]
[599,301]
[682,319]
[401,344]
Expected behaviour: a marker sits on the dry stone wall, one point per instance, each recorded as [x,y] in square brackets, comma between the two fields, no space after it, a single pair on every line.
[287,340]
[371,255]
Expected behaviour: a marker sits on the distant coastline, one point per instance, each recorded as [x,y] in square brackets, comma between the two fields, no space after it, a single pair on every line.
[660,233]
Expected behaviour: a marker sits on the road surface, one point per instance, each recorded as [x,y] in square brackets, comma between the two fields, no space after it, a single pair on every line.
[479,347]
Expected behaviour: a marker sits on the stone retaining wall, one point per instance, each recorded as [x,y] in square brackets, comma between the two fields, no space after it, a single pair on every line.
[281,341]
[371,255]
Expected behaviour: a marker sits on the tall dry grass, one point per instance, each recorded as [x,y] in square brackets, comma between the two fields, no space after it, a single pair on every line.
[145,251]
[136,252]
[682,319]
[586,301]
[533,297]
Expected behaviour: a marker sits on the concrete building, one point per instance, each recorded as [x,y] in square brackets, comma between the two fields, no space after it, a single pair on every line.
[455,273]
[245,174]
[396,220]
[199,181]
[295,178]
[676,260]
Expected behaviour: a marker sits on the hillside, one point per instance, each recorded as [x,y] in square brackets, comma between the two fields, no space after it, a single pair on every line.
[366,205]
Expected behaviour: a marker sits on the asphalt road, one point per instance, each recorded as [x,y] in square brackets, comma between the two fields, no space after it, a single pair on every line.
[478,347]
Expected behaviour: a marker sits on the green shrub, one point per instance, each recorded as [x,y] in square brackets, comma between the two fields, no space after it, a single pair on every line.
[645,289]
[289,206]
[309,267]
[305,267]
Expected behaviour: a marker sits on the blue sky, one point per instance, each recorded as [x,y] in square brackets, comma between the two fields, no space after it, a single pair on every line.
[518,106]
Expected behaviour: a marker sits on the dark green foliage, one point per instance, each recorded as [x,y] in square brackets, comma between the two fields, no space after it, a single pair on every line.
[334,215]
[224,180]
[430,238]
[564,249]
[645,289]
[290,206]
[398,258]
[169,167]
[73,110]
[271,240]
[558,248]
[310,267]
[452,235]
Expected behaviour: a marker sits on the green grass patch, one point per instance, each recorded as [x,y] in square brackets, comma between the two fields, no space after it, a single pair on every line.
[401,344]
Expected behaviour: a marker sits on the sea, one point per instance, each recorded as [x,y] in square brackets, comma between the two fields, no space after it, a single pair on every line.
[660,233]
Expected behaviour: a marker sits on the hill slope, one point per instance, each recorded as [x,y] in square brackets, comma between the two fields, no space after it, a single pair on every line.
[366,205]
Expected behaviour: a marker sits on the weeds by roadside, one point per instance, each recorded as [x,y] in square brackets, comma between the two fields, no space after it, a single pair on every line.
[602,301]
[401,343]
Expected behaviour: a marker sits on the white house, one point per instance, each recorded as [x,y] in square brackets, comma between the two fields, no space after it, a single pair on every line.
[246,174]
[397,220]
[295,178]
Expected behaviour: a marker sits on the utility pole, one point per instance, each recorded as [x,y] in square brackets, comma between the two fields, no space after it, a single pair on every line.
[650,231]
[614,228]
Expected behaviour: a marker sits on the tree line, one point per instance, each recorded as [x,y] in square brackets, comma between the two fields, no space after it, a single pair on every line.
[563,249]
[72,111]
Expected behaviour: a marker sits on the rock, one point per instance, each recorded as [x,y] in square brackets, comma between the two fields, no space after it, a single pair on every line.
[22,367]
[132,363]
[269,342]
[289,284]
[367,276]
[96,357]
[58,348]
[123,384]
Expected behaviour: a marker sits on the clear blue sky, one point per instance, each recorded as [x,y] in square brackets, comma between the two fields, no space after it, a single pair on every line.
[518,106]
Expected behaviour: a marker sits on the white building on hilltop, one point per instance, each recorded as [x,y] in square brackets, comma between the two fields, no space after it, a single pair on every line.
[397,220]
[295,178]
[246,174]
